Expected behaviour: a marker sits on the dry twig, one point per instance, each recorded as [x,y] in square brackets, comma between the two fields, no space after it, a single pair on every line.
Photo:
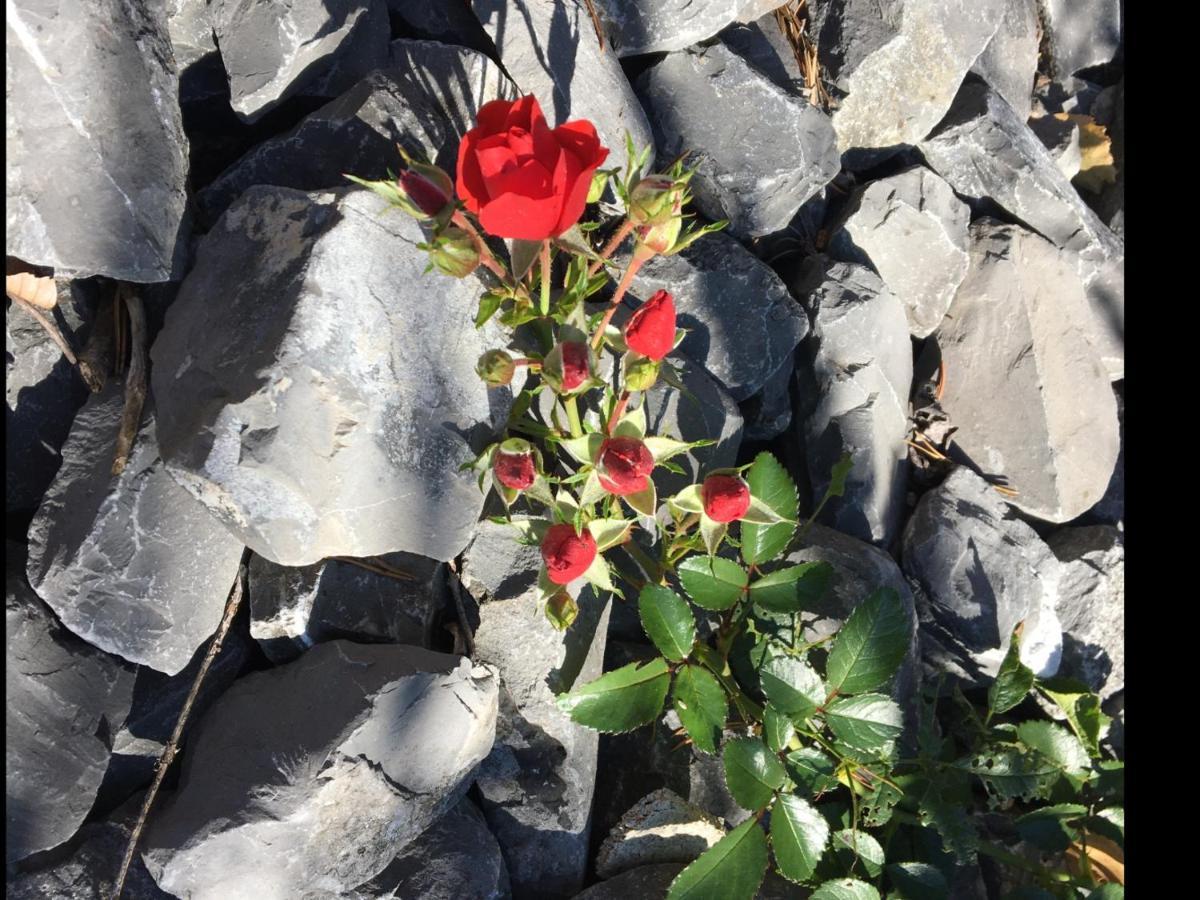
[135,380]
[378,566]
[49,327]
[96,358]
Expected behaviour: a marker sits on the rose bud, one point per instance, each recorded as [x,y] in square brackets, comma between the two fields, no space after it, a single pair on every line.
[567,366]
[561,610]
[655,200]
[726,497]
[640,372]
[651,330]
[514,465]
[625,465]
[496,368]
[428,187]
[454,252]
[658,239]
[567,554]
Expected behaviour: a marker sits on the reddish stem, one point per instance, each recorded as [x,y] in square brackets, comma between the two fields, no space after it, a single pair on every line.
[618,411]
[613,242]
[485,253]
[626,279]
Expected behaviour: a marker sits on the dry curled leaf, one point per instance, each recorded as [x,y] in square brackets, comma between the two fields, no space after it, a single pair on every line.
[1096,165]
[1106,858]
[37,290]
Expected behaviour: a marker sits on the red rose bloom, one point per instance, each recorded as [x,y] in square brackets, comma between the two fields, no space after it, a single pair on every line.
[522,179]
[514,470]
[575,365]
[626,464]
[651,330]
[567,555]
[726,497]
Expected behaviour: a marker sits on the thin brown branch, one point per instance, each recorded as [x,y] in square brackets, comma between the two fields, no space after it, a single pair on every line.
[96,358]
[596,23]
[168,755]
[378,566]
[48,326]
[135,379]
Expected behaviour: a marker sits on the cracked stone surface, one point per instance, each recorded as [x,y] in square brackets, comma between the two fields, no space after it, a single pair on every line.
[912,230]
[1025,385]
[130,563]
[987,152]
[1009,62]
[743,323]
[425,99]
[63,700]
[762,151]
[537,784]
[96,156]
[976,571]
[855,394]
[1081,33]
[300,408]
[371,740]
[662,827]
[294,608]
[272,51]
[653,26]
[550,49]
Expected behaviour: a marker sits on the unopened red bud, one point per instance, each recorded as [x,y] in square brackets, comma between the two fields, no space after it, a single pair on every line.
[650,331]
[625,466]
[567,554]
[726,497]
[429,195]
[514,464]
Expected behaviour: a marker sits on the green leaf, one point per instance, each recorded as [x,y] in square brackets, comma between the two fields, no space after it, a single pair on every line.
[849,844]
[792,588]
[792,686]
[770,482]
[1108,892]
[488,304]
[812,770]
[752,772]
[953,825]
[871,645]
[1014,680]
[777,729]
[1056,744]
[868,723]
[798,836]
[1082,709]
[838,475]
[731,869]
[701,706]
[917,881]
[1049,828]
[668,621]
[1010,773]
[845,889]
[712,582]
[620,700]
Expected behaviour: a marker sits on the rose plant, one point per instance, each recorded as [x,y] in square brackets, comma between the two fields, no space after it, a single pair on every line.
[845,799]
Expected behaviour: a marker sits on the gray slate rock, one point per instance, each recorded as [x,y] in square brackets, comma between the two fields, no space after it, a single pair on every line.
[1061,138]
[655,880]
[426,99]
[273,51]
[1091,605]
[913,231]
[97,158]
[303,408]
[455,858]
[1081,33]
[536,786]
[743,323]
[653,26]
[662,827]
[550,49]
[43,392]
[294,608]
[976,571]
[762,151]
[901,89]
[764,46]
[1009,62]
[201,75]
[312,776]
[63,699]
[1025,386]
[846,32]
[130,563]
[987,153]
[449,22]
[857,390]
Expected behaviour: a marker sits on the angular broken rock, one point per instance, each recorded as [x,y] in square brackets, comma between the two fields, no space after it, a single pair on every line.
[662,827]
[131,563]
[913,231]
[743,324]
[551,50]
[987,154]
[96,156]
[977,570]
[455,858]
[652,26]
[272,51]
[1080,33]
[426,99]
[762,151]
[1024,384]
[63,700]
[316,391]
[1009,62]
[857,397]
[900,90]
[1061,138]
[294,608]
[312,776]
[1091,605]
[536,786]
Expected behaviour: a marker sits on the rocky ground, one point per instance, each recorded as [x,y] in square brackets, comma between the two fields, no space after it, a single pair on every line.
[923,266]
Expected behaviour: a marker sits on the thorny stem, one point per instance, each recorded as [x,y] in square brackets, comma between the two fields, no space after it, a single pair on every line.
[486,257]
[618,411]
[613,243]
[544,305]
[627,279]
